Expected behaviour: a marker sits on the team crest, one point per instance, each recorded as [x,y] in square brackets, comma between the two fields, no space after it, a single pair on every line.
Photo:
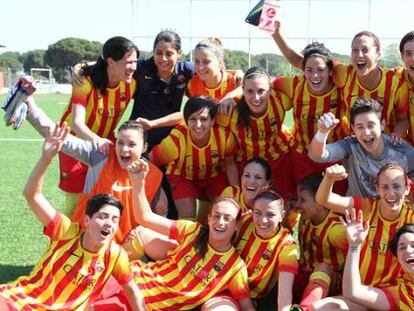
[333,103]
[218,266]
[122,97]
[267,254]
[215,154]
[273,121]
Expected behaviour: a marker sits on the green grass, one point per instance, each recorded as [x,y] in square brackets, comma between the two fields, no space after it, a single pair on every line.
[22,242]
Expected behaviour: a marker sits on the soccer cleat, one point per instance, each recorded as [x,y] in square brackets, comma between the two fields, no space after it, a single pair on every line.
[14,105]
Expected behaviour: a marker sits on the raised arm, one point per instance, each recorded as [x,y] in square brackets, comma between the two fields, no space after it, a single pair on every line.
[142,210]
[325,196]
[293,57]
[357,231]
[317,146]
[32,192]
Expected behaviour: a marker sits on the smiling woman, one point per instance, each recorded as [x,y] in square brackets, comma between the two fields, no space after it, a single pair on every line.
[96,107]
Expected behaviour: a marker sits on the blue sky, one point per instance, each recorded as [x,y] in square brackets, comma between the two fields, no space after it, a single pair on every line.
[36,24]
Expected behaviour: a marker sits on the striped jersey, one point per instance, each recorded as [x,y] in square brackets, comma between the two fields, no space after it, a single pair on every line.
[264,136]
[403,74]
[185,280]
[103,112]
[377,264]
[401,296]
[322,243]
[390,93]
[235,193]
[265,258]
[190,161]
[308,108]
[67,277]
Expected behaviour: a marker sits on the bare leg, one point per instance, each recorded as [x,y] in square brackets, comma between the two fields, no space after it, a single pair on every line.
[336,303]
[219,304]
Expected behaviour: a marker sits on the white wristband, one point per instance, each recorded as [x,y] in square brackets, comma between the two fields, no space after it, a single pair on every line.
[321,137]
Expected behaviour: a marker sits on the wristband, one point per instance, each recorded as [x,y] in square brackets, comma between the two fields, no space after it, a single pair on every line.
[321,137]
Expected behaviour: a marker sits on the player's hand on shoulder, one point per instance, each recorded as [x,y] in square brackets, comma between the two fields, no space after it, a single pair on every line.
[327,122]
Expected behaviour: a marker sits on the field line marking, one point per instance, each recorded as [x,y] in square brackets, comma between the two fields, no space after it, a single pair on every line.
[21,139]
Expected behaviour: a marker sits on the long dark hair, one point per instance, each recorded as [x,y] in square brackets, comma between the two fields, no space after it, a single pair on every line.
[243,119]
[115,48]
[201,241]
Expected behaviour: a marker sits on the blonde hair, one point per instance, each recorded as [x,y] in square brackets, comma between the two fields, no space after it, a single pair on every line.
[214,46]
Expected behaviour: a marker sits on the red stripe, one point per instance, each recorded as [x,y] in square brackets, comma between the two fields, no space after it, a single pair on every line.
[299,108]
[313,102]
[390,260]
[212,287]
[103,121]
[208,162]
[118,108]
[246,251]
[374,256]
[254,139]
[90,120]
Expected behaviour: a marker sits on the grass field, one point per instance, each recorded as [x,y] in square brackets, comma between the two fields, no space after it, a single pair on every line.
[21,239]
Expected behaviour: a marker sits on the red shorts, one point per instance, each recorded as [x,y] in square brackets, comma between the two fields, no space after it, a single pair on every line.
[205,190]
[303,167]
[282,176]
[72,174]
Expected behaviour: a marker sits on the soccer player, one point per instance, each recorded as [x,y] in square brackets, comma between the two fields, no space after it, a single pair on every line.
[95,108]
[384,214]
[361,297]
[161,84]
[211,78]
[407,74]
[204,263]
[312,94]
[78,262]
[323,246]
[200,157]
[257,125]
[364,153]
[269,251]
[363,78]
[256,175]
[107,172]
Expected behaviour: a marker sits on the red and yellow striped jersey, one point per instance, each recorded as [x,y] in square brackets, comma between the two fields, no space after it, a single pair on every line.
[196,86]
[264,136]
[403,74]
[307,109]
[401,296]
[390,93]
[185,280]
[235,193]
[378,265]
[67,277]
[191,162]
[322,243]
[265,258]
[103,112]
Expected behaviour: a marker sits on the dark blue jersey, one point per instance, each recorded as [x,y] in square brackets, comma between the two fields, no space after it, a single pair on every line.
[155,98]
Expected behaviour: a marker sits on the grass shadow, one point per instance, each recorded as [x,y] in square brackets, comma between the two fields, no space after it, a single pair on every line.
[9,273]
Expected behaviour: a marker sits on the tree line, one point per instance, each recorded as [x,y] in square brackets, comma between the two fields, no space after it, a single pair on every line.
[63,54]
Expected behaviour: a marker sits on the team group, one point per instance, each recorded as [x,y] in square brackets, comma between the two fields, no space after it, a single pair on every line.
[240,181]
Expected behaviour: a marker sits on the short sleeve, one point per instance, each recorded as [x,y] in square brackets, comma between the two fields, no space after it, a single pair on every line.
[337,236]
[167,151]
[122,271]
[61,226]
[288,260]
[239,285]
[231,146]
[81,93]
